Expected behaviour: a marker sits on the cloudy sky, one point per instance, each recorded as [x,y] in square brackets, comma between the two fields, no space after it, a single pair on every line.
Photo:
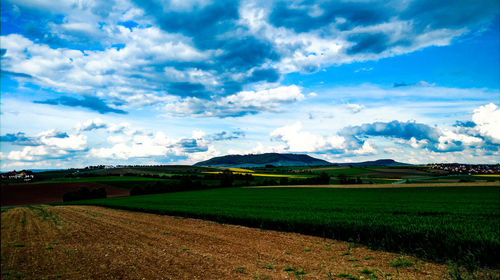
[88,82]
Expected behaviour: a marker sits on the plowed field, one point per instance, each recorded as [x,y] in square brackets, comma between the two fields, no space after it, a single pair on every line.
[88,242]
[23,194]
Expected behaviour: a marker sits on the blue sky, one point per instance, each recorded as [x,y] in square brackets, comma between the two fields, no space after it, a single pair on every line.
[177,82]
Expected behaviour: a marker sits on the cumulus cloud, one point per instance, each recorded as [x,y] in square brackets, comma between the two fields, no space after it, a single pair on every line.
[128,145]
[123,128]
[392,150]
[66,142]
[297,140]
[240,104]
[413,142]
[91,125]
[482,132]
[135,53]
[19,138]
[396,129]
[451,141]
[487,120]
[314,34]
[355,108]
[191,145]
[365,149]
[224,136]
[139,146]
[49,144]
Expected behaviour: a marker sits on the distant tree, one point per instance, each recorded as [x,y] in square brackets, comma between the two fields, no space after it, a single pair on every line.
[137,190]
[342,178]
[84,193]
[284,181]
[98,193]
[324,178]
[226,179]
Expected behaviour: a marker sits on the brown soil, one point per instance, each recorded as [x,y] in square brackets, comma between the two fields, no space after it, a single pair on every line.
[87,242]
[23,194]
[437,185]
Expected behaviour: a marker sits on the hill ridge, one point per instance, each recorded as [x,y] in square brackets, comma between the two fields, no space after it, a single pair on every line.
[259,160]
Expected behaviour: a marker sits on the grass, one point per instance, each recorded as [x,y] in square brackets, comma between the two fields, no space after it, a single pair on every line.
[241,269]
[347,276]
[401,262]
[299,272]
[46,215]
[366,271]
[261,174]
[447,223]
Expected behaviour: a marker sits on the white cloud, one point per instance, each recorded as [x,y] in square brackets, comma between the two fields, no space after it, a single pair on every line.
[355,108]
[109,71]
[487,119]
[309,51]
[139,147]
[241,103]
[303,141]
[449,139]
[413,142]
[366,149]
[90,125]
[70,143]
[50,144]
[28,153]
[392,150]
[201,156]
[123,128]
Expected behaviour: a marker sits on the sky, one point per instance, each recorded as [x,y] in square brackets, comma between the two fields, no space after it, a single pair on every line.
[119,82]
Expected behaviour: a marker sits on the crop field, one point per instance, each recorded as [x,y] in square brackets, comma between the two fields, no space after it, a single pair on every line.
[260,174]
[88,242]
[448,223]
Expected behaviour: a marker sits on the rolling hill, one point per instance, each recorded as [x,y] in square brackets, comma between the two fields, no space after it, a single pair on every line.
[277,159]
[261,160]
[381,162]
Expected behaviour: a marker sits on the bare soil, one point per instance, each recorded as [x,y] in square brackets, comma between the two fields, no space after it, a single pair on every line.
[23,194]
[87,242]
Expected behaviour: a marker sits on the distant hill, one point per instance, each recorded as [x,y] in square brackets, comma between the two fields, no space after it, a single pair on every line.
[381,162]
[261,160]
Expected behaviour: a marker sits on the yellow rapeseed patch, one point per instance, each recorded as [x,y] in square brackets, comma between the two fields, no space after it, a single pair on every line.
[488,175]
[240,170]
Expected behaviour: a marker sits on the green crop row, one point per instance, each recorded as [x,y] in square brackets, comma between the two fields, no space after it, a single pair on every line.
[453,223]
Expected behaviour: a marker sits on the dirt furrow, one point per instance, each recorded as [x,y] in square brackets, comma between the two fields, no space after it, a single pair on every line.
[86,242]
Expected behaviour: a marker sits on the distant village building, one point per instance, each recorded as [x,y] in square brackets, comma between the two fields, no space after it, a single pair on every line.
[24,175]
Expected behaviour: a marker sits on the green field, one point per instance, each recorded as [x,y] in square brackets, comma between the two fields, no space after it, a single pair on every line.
[448,223]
